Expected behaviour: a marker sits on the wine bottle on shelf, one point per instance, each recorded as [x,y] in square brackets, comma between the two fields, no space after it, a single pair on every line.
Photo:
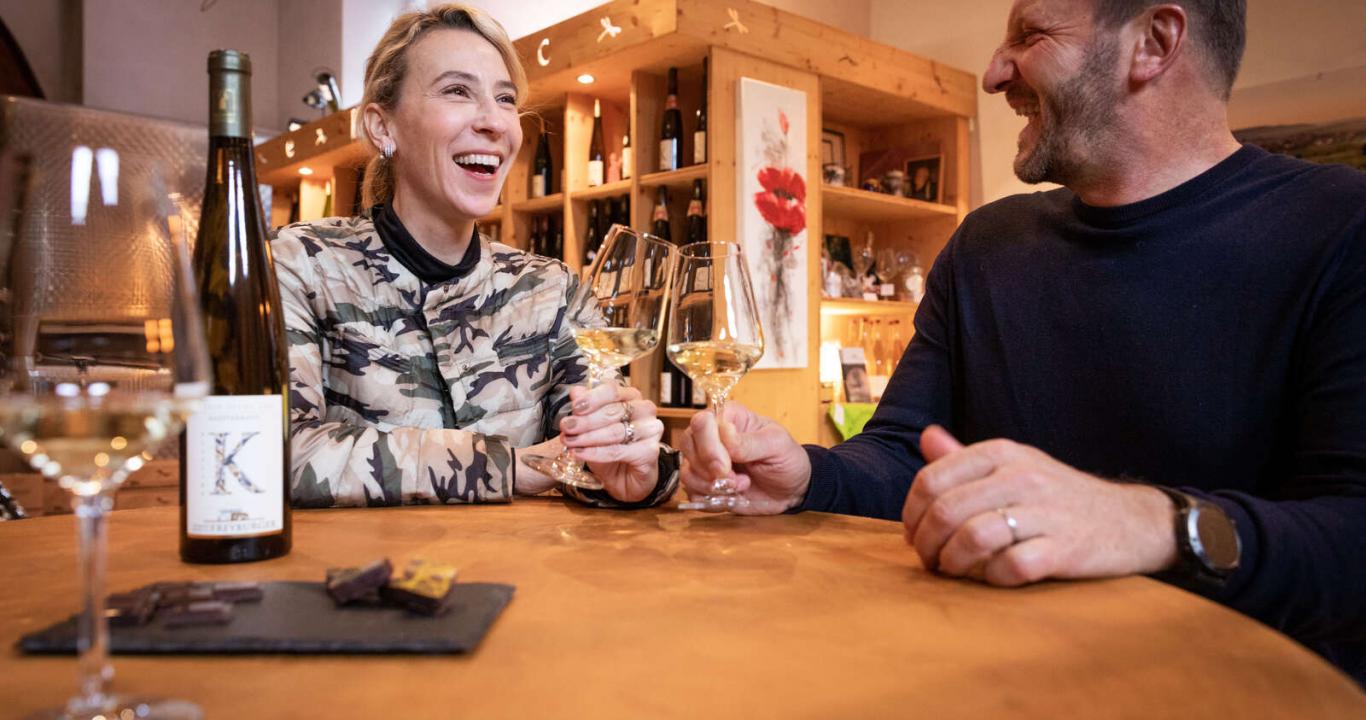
[597,150]
[699,135]
[605,214]
[621,211]
[628,157]
[234,453]
[659,221]
[537,241]
[556,249]
[542,168]
[671,132]
[697,213]
[590,233]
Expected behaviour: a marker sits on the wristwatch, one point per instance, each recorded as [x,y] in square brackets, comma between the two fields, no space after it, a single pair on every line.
[1206,542]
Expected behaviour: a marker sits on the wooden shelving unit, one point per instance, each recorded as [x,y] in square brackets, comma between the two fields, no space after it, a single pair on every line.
[879,97]
[855,204]
[865,308]
[676,180]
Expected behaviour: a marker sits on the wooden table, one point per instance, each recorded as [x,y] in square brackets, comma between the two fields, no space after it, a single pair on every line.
[664,613]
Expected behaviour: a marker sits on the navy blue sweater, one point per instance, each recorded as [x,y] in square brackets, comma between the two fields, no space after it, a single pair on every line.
[1212,338]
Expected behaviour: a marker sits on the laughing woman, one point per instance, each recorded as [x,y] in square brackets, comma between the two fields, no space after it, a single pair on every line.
[424,358]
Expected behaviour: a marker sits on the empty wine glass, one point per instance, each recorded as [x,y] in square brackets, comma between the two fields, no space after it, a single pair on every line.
[890,265]
[715,336]
[617,316]
[102,357]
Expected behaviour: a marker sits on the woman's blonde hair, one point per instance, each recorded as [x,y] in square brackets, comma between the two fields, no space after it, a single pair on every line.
[388,65]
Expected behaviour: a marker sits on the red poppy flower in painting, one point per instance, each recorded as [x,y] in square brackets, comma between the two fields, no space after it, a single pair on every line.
[783,200]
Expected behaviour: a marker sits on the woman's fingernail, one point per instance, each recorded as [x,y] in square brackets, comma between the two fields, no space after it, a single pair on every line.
[569,424]
[581,406]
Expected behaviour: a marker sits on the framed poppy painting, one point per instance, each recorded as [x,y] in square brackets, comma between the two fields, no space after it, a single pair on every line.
[772,185]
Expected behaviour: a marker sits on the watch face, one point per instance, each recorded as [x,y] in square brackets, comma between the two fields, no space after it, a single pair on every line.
[1217,538]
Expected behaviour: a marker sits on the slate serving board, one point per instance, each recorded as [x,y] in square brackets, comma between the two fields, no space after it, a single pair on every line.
[299,617]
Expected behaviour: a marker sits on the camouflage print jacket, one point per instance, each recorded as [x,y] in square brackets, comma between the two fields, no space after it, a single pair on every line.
[403,392]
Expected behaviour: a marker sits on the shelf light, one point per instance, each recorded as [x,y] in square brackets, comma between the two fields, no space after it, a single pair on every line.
[305,171]
[586,79]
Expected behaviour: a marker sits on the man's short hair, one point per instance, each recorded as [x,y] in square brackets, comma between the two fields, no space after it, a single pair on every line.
[1218,26]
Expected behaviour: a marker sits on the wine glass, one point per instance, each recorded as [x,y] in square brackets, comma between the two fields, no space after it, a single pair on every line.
[715,336]
[890,265]
[102,357]
[617,316]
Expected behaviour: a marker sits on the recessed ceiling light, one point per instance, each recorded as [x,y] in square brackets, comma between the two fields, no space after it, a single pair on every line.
[586,79]
[305,171]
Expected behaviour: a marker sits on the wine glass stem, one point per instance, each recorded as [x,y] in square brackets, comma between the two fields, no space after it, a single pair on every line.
[92,639]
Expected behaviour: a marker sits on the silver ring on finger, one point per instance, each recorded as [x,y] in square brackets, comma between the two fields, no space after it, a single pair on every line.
[625,411]
[629,431]
[1010,523]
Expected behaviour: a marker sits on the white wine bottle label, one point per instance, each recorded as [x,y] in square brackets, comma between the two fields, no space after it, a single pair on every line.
[699,147]
[595,173]
[668,155]
[628,163]
[234,465]
[538,183]
[666,388]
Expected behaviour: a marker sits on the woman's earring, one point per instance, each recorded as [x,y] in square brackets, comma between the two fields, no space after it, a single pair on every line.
[388,149]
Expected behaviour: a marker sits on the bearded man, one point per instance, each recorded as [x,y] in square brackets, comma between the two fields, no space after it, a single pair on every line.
[1158,369]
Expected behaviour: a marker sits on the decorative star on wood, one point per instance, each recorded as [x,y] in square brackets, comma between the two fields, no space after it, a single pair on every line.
[608,29]
[541,58]
[735,22]
[321,138]
[289,148]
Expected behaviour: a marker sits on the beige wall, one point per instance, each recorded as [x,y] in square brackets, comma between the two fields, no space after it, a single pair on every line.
[523,17]
[41,27]
[1305,62]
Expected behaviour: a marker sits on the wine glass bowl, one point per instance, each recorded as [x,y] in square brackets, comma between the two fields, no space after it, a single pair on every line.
[616,316]
[715,336]
[102,355]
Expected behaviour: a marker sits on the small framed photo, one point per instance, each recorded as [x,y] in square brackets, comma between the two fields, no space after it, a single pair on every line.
[923,178]
[832,148]
[855,367]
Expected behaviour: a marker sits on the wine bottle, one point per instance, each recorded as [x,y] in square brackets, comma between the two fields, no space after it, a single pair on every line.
[234,459]
[659,222]
[671,133]
[556,249]
[542,168]
[536,243]
[597,151]
[590,234]
[628,157]
[699,135]
[697,213]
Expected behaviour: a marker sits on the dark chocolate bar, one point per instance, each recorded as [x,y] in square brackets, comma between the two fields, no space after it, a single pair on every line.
[238,592]
[211,612]
[358,585]
[424,587]
[132,608]
[182,593]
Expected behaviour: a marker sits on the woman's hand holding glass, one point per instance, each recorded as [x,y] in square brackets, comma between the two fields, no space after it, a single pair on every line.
[616,432]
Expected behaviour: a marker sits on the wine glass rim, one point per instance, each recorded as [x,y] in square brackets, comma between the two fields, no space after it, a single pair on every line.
[640,234]
[692,250]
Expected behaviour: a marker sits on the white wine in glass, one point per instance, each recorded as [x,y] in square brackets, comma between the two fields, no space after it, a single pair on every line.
[715,337]
[617,316]
[102,358]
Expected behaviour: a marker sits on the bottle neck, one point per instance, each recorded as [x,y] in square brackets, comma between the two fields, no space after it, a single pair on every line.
[229,104]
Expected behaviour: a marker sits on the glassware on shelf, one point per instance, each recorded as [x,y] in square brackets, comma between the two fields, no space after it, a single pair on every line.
[864,259]
[891,263]
[96,375]
[715,337]
[913,281]
[617,316]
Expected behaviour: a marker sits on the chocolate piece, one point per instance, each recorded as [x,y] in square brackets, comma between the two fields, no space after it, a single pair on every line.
[424,587]
[182,593]
[358,585]
[238,592]
[132,608]
[211,612]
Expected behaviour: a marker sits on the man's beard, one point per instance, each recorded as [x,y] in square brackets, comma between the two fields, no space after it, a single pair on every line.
[1080,111]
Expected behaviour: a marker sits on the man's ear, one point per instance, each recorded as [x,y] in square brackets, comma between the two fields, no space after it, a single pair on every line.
[377,125]
[1161,38]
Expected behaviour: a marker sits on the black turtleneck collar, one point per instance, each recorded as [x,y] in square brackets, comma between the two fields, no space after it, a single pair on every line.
[400,243]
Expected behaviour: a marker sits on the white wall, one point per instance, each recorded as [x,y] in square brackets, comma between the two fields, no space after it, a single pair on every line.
[149,56]
[1305,62]
[299,56]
